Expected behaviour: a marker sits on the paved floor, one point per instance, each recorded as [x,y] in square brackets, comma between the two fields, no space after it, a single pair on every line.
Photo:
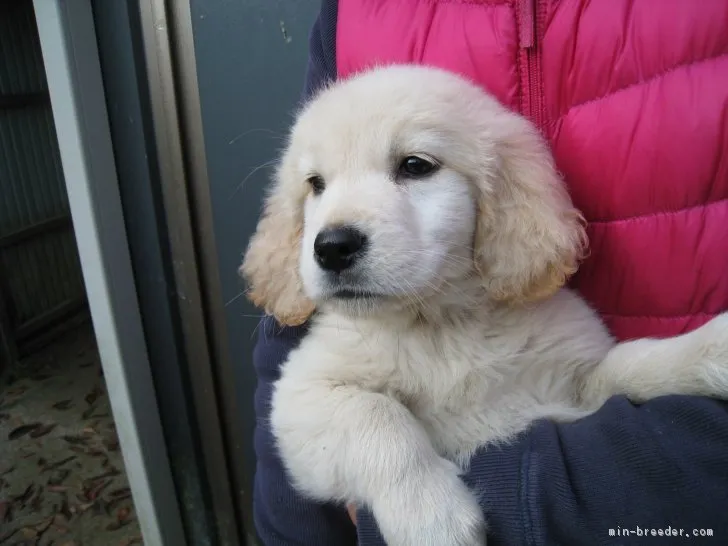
[62,480]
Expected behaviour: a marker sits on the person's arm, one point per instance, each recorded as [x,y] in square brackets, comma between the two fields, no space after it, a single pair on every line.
[662,465]
[282,517]
[321,68]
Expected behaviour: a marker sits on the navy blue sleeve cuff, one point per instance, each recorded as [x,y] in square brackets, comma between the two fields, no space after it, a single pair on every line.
[499,479]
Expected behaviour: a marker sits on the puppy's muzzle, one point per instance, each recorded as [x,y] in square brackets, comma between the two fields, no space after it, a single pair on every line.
[338,248]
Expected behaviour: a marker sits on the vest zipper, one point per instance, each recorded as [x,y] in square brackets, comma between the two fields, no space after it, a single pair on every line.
[528,19]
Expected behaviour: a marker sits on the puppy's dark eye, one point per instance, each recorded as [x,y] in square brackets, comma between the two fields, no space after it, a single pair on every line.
[317,184]
[414,166]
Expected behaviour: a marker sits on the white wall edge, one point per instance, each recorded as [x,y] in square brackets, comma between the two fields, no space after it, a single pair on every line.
[70,54]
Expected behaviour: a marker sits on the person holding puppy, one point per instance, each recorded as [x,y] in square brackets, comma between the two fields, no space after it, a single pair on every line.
[632,99]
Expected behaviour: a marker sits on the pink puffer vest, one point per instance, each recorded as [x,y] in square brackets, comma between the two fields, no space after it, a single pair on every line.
[632,95]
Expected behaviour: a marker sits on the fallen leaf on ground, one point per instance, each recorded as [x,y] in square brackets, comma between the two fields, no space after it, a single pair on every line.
[113,503]
[123,513]
[96,489]
[122,492]
[4,510]
[43,526]
[111,473]
[42,430]
[22,430]
[65,510]
[75,440]
[35,504]
[17,391]
[88,412]
[25,495]
[62,405]
[60,463]
[85,506]
[4,538]
[93,395]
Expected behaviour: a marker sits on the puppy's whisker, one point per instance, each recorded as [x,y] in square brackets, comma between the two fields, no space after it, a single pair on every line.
[235,298]
[257,326]
[446,258]
[441,255]
[414,295]
[251,173]
[258,130]
[455,244]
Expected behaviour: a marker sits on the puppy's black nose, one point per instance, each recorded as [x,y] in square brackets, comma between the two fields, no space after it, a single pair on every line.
[337,248]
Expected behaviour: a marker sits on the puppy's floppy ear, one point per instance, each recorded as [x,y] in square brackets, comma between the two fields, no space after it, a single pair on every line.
[529,238]
[271,263]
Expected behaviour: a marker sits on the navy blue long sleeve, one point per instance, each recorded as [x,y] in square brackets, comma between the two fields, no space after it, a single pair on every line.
[662,466]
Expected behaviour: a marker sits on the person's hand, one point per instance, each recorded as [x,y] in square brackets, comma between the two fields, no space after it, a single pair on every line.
[352,512]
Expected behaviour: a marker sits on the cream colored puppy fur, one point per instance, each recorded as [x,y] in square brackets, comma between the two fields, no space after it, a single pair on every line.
[462,334]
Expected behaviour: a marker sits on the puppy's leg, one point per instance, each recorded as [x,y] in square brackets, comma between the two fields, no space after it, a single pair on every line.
[341,443]
[695,363]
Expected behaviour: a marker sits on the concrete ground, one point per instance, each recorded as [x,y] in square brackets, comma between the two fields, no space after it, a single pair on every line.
[62,479]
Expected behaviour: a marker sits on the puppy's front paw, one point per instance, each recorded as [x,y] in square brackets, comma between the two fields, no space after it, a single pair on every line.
[713,362]
[436,510]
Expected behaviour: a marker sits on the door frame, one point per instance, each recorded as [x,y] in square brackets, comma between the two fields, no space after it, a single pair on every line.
[71,59]
[171,77]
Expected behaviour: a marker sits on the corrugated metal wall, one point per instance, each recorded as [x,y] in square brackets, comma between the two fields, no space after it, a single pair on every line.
[40,275]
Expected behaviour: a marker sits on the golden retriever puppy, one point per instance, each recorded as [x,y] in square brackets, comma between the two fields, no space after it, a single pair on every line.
[425,231]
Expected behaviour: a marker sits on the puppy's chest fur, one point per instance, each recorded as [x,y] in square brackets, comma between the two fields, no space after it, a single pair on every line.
[474,380]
